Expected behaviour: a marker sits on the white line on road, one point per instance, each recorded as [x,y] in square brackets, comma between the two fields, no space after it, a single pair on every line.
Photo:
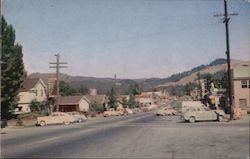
[55,138]
[51,139]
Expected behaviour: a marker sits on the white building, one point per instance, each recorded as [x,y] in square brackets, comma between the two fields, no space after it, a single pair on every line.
[31,89]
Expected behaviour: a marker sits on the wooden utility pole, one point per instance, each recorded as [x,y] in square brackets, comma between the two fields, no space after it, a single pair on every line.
[57,65]
[229,77]
[200,89]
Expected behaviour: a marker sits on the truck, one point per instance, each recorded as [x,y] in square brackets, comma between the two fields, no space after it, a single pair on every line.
[182,106]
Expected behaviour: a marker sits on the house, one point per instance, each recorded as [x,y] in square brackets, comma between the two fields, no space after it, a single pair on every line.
[73,103]
[98,99]
[241,87]
[31,89]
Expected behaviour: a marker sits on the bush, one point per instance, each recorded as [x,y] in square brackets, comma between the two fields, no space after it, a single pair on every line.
[95,107]
[39,107]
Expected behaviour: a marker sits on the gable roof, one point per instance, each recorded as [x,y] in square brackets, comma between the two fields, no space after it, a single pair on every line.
[29,84]
[70,100]
[97,98]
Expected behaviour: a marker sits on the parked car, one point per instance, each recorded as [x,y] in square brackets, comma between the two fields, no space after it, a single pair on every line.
[137,110]
[202,114]
[78,116]
[166,111]
[128,111]
[113,112]
[55,118]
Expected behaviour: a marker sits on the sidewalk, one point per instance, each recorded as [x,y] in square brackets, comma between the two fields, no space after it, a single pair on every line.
[11,128]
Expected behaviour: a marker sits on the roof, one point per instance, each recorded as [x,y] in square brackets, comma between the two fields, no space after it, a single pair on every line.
[70,100]
[29,84]
[241,71]
[97,98]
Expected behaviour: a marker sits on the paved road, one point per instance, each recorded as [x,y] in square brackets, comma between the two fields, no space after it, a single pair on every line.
[137,136]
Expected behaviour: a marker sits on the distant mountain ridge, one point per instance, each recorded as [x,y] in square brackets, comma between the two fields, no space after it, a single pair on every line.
[103,85]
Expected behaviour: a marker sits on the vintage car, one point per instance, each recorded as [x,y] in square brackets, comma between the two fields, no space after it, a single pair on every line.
[203,114]
[78,117]
[113,112]
[128,111]
[55,118]
[166,111]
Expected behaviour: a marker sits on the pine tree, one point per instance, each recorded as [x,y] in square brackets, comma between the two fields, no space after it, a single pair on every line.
[12,69]
[112,99]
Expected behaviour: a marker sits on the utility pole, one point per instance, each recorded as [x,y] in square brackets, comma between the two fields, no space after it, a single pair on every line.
[200,89]
[57,65]
[115,87]
[226,20]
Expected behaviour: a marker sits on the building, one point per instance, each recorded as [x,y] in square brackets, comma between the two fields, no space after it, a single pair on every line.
[93,91]
[73,103]
[241,87]
[52,86]
[98,99]
[31,89]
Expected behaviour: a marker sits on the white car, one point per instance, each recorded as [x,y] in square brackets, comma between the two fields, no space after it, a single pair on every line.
[128,111]
[55,118]
[78,116]
[113,112]
[166,111]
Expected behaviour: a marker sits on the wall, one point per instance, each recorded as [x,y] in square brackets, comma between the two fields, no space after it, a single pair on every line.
[26,97]
[84,105]
[240,93]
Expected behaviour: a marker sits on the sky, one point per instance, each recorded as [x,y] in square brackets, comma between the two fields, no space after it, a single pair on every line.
[129,38]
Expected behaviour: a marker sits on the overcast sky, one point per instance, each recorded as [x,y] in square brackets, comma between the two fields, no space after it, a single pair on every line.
[132,38]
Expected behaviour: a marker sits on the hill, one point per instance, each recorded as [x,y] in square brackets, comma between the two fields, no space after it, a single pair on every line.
[103,85]
[216,68]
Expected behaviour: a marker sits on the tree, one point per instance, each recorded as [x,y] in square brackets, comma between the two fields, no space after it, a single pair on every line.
[190,87]
[134,90]
[65,89]
[112,99]
[39,107]
[12,69]
[95,107]
[83,90]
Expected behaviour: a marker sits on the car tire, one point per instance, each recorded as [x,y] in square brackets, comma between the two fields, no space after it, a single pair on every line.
[192,119]
[220,118]
[42,123]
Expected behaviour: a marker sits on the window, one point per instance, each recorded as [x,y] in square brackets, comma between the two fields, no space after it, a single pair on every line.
[244,83]
[36,92]
[41,92]
[243,103]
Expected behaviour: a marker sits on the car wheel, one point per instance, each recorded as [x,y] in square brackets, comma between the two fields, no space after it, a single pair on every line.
[192,119]
[66,123]
[42,123]
[221,118]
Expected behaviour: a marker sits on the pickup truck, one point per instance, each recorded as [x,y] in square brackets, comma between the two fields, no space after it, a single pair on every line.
[55,118]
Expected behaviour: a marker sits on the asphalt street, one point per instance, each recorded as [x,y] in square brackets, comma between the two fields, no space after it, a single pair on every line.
[141,135]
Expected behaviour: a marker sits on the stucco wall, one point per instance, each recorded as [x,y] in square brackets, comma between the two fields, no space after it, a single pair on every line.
[241,93]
